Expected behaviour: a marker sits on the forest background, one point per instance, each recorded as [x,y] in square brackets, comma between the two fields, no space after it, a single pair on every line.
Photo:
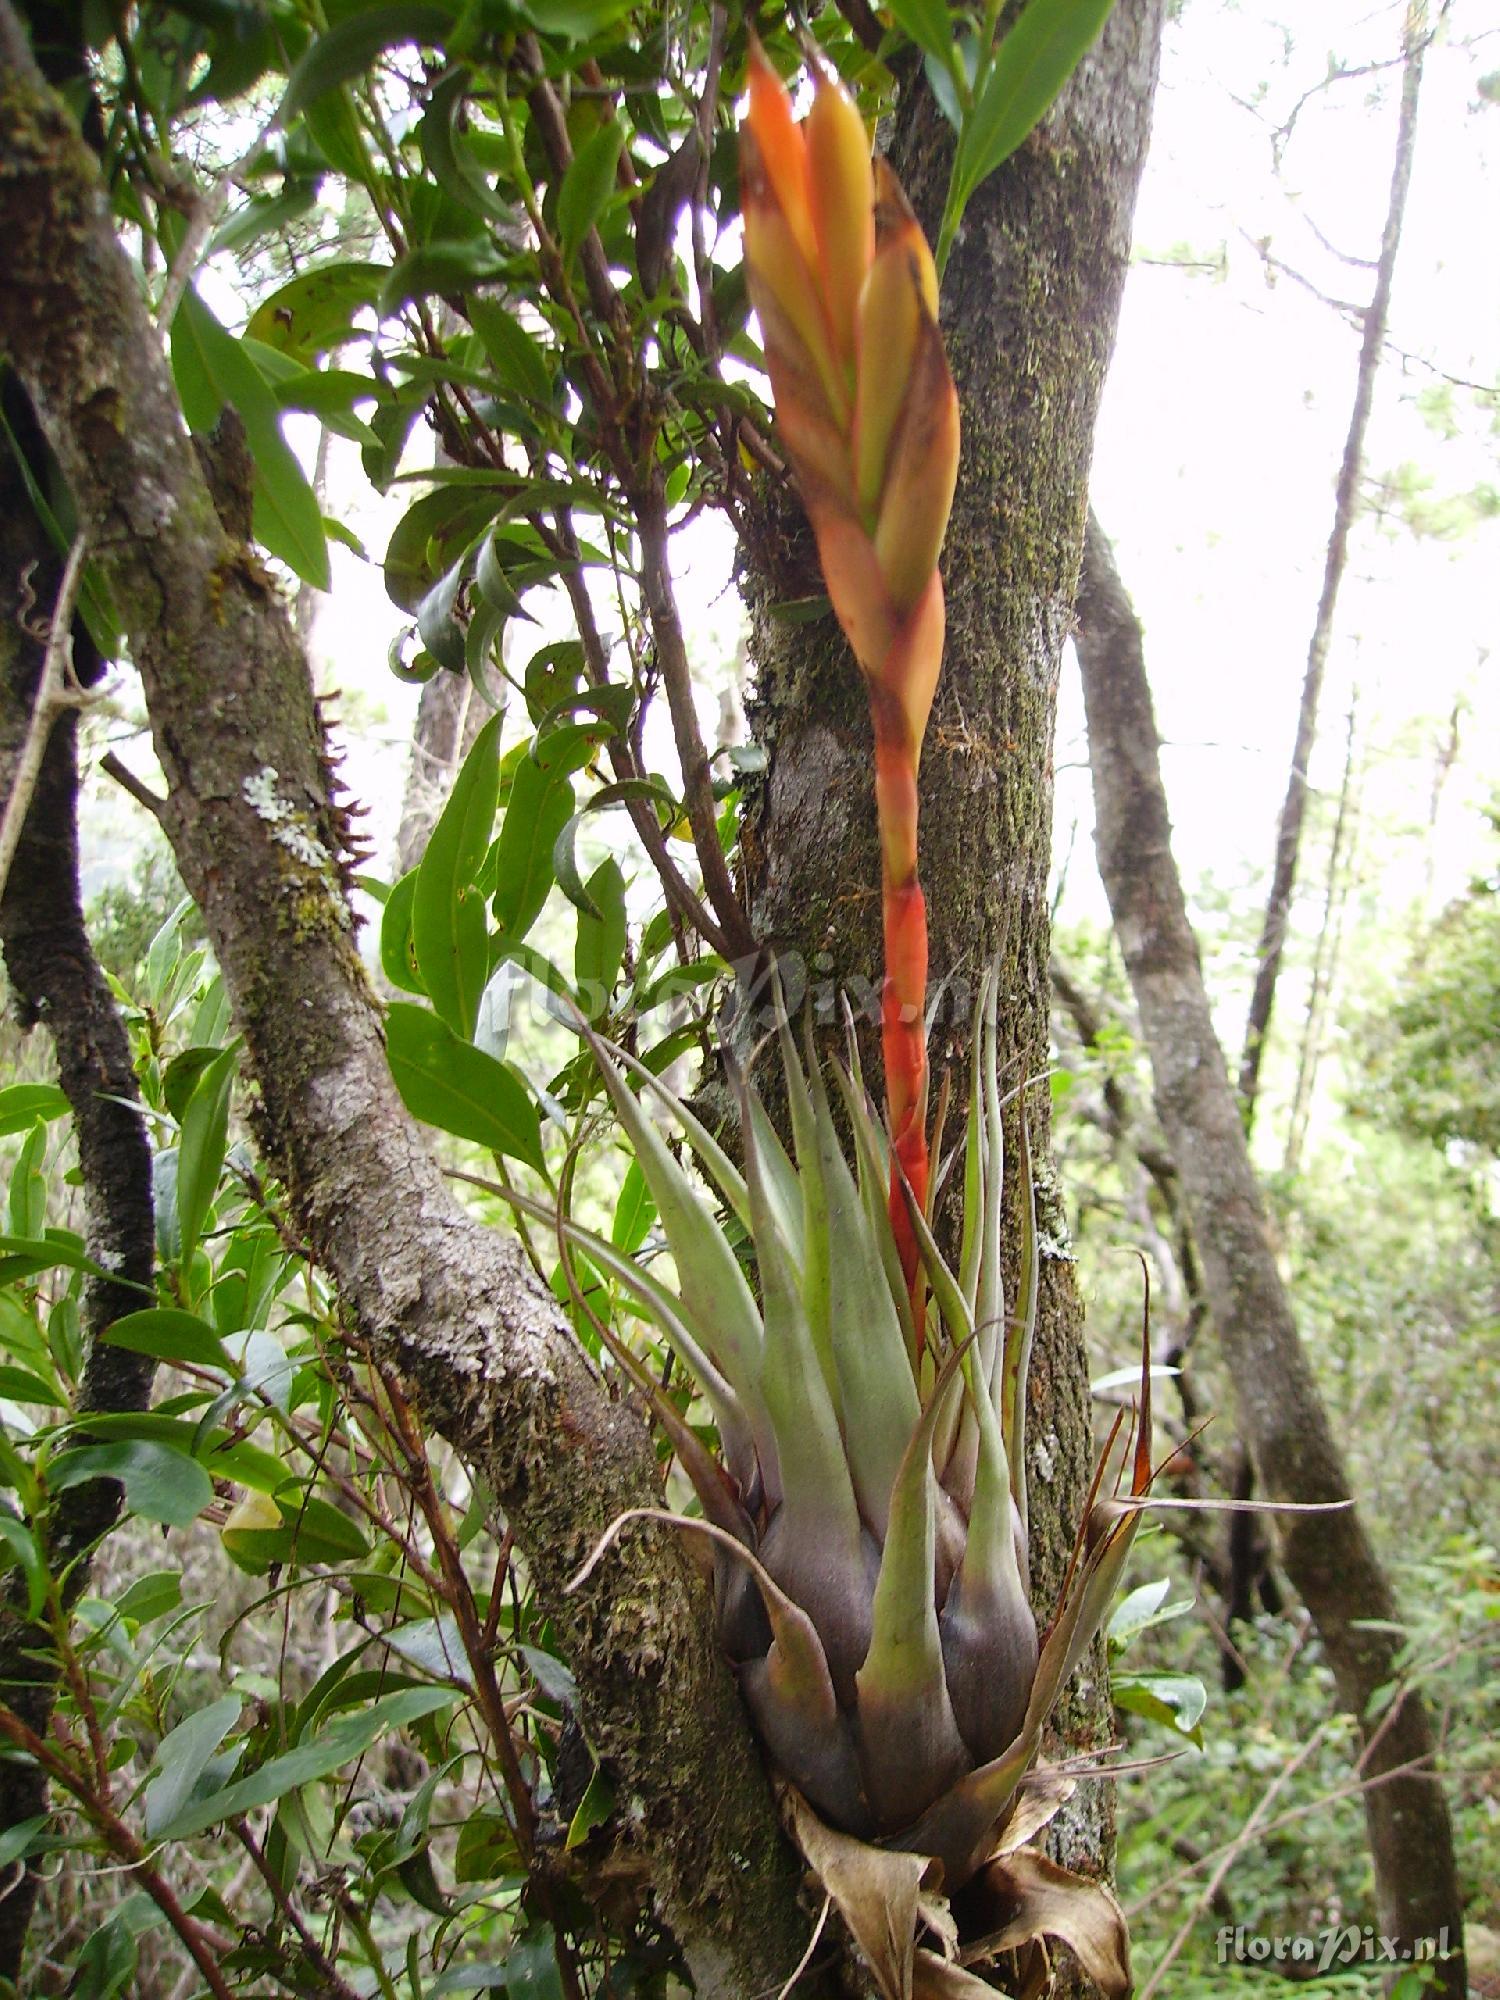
[1257,237]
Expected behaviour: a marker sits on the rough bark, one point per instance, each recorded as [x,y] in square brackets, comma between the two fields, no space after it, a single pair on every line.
[1345,500]
[451,1305]
[1029,306]
[1328,1557]
[56,982]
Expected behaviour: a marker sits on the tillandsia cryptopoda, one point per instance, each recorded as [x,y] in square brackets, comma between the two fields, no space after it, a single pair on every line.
[845,289]
[868,1512]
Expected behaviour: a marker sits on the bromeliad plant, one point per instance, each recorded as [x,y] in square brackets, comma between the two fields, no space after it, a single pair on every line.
[869,1512]
[845,289]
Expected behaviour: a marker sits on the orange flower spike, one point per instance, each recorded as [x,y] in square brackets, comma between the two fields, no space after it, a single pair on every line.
[920,477]
[841,184]
[781,255]
[783,150]
[844,283]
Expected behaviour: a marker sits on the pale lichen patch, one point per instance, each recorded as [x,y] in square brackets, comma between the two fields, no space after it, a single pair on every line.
[293,829]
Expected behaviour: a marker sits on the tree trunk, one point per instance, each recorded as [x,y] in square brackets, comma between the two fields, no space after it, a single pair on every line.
[1280,1414]
[1029,306]
[454,1307]
[56,981]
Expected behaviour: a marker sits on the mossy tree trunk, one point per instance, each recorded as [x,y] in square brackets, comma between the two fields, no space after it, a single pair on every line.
[1029,305]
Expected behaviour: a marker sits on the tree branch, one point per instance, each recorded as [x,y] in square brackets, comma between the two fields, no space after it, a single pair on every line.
[449,1304]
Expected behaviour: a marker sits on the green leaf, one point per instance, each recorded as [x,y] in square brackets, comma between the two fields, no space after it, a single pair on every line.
[398,958]
[151,1596]
[594,1808]
[1176,1700]
[540,806]
[437,622]
[106,1963]
[161,1483]
[19,1385]
[19,1539]
[450,1084]
[28,1185]
[442,267]
[450,158]
[330,394]
[588,185]
[171,1337]
[21,1104]
[600,944]
[212,369]
[334,129]
[564,859]
[635,1211]
[517,359]
[315,311]
[449,934]
[552,673]
[577,19]
[486,1850]
[200,1155]
[181,1758]
[928,22]
[182,1074]
[346,1738]
[1029,69]
[432,535]
[25,1256]
[349,49]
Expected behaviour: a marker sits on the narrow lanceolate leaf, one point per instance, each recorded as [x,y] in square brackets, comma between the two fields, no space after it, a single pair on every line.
[1029,69]
[588,184]
[450,1084]
[181,1758]
[339,1743]
[600,945]
[200,1159]
[910,1748]
[670,1315]
[540,806]
[449,933]
[814,1545]
[514,354]
[878,1393]
[212,369]
[1019,1333]
[712,1285]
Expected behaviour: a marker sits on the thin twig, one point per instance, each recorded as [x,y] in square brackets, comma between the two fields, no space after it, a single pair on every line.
[206,212]
[697,782]
[57,691]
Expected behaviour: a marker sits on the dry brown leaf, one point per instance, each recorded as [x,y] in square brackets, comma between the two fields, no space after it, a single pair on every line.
[874,1889]
[1049,1901]
[1044,1793]
[934,1979]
